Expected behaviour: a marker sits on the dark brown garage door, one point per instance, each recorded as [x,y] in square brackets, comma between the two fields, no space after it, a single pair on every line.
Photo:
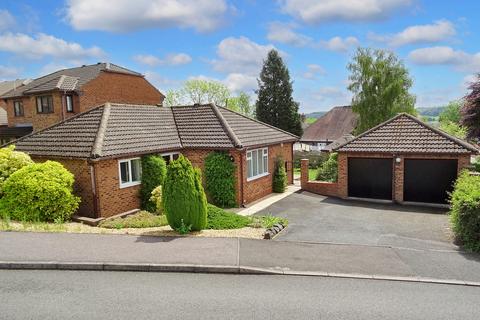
[370,178]
[428,180]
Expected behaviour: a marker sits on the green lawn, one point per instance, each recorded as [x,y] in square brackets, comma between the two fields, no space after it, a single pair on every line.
[312,173]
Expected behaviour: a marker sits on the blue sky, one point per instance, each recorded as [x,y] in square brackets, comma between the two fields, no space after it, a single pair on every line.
[174,40]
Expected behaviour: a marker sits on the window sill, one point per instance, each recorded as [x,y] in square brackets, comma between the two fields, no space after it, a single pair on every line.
[258,177]
[129,184]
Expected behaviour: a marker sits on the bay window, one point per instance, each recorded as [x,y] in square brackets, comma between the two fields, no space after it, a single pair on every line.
[257,163]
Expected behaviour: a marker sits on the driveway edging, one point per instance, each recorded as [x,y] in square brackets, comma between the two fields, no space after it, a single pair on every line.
[219,269]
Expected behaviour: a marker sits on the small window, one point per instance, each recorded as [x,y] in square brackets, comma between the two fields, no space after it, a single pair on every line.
[69,103]
[168,157]
[45,104]
[130,171]
[18,108]
[257,163]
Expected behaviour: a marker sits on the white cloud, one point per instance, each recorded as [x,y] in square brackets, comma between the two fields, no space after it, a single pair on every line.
[43,45]
[318,11]
[240,55]
[237,82]
[6,20]
[430,33]
[52,67]
[446,56]
[128,15]
[173,59]
[284,33]
[160,82]
[8,72]
[339,44]
[313,71]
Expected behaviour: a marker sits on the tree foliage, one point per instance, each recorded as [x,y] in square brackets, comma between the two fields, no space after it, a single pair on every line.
[451,112]
[220,179]
[275,104]
[380,84]
[154,170]
[241,104]
[11,161]
[198,91]
[184,200]
[471,111]
[328,171]
[39,192]
[465,210]
[280,180]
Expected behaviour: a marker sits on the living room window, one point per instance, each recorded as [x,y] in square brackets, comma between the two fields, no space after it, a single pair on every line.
[130,172]
[45,104]
[69,102]
[18,108]
[257,163]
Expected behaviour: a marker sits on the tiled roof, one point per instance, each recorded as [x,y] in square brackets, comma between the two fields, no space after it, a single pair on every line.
[337,143]
[114,130]
[67,79]
[332,125]
[406,134]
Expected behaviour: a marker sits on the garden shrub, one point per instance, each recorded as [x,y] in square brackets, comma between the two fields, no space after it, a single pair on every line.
[465,210]
[141,219]
[156,199]
[315,158]
[39,192]
[184,200]
[11,161]
[154,170]
[280,180]
[476,165]
[219,219]
[220,179]
[328,171]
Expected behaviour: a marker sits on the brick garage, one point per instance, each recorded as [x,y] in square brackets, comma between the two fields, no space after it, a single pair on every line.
[94,144]
[402,160]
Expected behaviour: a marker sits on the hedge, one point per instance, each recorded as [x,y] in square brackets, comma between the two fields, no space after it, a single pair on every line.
[184,200]
[465,211]
[220,179]
[154,170]
[11,161]
[39,192]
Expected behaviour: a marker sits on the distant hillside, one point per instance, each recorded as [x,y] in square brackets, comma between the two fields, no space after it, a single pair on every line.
[430,111]
[315,115]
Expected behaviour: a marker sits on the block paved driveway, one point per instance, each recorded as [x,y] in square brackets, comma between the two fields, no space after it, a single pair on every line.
[315,218]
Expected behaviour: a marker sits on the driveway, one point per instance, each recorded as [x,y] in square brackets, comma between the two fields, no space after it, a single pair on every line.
[315,218]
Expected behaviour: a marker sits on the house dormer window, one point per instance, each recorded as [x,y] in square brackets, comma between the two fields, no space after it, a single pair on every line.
[45,104]
[18,108]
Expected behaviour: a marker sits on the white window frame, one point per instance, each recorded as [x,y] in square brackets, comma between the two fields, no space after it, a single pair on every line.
[249,158]
[130,183]
[69,102]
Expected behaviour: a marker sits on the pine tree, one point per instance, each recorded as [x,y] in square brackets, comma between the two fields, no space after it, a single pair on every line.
[275,104]
[471,111]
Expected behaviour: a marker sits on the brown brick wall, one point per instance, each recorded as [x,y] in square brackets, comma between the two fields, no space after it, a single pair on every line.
[83,183]
[112,199]
[117,87]
[261,187]
[319,187]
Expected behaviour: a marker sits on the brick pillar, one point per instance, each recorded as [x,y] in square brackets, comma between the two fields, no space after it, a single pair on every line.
[342,175]
[398,178]
[303,173]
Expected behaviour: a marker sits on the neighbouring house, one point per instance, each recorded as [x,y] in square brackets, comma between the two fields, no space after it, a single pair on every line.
[65,93]
[333,125]
[8,134]
[402,160]
[103,147]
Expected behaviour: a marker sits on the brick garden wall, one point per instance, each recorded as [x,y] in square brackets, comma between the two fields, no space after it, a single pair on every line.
[319,187]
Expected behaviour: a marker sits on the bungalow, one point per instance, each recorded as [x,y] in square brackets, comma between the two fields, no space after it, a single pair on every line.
[6,133]
[401,160]
[333,125]
[102,148]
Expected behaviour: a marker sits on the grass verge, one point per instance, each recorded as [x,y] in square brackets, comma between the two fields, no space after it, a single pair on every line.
[141,219]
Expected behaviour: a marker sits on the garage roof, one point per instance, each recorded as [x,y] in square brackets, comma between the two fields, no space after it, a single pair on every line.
[406,134]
